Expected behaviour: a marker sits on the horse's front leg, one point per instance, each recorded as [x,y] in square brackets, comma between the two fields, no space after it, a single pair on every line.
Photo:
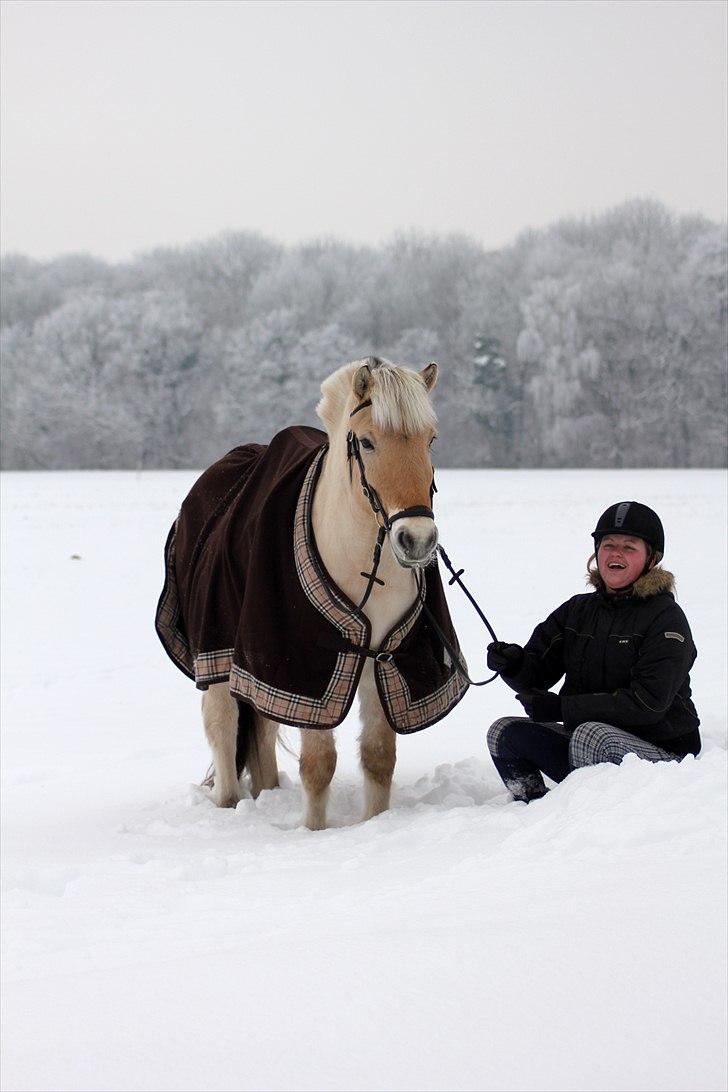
[317,765]
[377,747]
[220,718]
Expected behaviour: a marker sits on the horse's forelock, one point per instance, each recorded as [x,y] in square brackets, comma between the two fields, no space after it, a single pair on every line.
[400,401]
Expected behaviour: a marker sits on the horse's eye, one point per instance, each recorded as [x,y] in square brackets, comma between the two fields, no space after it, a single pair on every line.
[432,441]
[367,444]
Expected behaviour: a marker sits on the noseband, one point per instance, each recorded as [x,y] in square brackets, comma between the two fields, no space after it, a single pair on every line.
[353,451]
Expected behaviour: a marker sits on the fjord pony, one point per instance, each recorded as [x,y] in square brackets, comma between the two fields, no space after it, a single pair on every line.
[385,410]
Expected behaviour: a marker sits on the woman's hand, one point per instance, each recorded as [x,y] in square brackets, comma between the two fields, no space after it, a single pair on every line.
[541,705]
[506,659]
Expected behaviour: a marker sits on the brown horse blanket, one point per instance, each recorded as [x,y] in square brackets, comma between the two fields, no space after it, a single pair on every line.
[247,599]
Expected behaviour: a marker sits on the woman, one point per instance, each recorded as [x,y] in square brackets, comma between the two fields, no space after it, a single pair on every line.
[625,650]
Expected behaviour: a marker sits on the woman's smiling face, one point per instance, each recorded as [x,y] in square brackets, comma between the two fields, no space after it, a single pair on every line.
[621,559]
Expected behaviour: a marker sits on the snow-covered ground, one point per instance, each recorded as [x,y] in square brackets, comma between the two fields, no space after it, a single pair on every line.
[460,941]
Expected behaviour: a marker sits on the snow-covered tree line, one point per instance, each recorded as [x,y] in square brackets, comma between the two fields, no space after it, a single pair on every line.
[597,342]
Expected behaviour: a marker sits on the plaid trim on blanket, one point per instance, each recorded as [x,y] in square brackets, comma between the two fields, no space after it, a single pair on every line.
[297,709]
[211,667]
[206,667]
[319,591]
[412,716]
[394,693]
[168,614]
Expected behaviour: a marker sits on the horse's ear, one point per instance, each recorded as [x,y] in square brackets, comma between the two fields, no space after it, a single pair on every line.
[429,375]
[362,380]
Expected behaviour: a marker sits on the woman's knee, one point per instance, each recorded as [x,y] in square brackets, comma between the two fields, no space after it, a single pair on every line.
[498,734]
[589,744]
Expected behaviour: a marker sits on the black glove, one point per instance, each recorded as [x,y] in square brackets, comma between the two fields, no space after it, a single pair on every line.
[506,659]
[541,705]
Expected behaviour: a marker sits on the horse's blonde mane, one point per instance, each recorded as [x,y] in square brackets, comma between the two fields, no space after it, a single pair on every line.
[400,400]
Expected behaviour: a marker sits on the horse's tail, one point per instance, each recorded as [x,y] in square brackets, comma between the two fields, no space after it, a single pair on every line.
[246,740]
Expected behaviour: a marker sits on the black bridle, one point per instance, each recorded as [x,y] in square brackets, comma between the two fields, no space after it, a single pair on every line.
[385,522]
[353,451]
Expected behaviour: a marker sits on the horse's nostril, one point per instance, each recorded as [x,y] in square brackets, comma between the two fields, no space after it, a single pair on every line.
[432,540]
[406,540]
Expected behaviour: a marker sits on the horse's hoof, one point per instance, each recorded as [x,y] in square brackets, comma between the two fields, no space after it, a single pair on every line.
[228,802]
[372,813]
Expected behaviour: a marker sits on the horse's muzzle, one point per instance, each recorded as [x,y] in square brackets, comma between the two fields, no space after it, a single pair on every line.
[414,542]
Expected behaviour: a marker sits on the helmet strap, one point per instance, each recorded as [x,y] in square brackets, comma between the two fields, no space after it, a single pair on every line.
[653,558]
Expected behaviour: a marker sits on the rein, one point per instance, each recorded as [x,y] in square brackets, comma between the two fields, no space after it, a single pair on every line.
[353,451]
[455,579]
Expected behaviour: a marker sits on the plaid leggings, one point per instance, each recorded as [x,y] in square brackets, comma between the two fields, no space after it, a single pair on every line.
[522,749]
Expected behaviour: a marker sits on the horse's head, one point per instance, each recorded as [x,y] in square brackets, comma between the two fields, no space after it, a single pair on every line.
[381,421]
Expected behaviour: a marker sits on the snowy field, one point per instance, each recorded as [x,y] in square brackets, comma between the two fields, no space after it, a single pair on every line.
[460,941]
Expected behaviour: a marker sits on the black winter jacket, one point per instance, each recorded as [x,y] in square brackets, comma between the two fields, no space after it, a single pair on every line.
[625,660]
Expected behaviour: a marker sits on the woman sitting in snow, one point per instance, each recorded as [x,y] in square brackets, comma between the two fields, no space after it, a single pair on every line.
[625,651]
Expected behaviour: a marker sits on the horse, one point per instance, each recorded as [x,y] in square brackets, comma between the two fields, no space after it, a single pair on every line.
[331,603]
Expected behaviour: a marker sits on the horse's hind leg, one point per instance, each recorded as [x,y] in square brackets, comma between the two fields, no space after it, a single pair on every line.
[262,758]
[377,747]
[220,718]
[317,765]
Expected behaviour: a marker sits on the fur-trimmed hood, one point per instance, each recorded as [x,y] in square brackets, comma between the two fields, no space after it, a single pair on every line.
[654,582]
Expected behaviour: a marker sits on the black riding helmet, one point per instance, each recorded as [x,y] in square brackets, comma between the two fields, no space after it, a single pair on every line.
[631,518]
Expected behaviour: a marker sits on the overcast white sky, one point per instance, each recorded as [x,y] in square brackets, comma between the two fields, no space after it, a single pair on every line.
[128,125]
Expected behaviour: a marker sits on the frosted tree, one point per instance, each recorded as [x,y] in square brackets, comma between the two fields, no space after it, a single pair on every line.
[154,369]
[598,341]
[215,277]
[272,373]
[703,284]
[323,283]
[414,347]
[61,406]
[32,289]
[560,358]
[102,383]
